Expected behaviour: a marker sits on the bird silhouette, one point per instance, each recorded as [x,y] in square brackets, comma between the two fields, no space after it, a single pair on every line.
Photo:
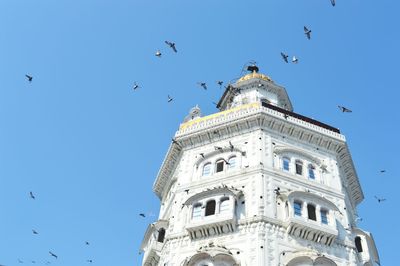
[135,86]
[285,57]
[142,214]
[220,82]
[34,232]
[87,243]
[379,199]
[53,255]
[383,171]
[203,85]
[202,155]
[29,77]
[172,45]
[295,60]
[170,99]
[187,191]
[231,145]
[307,32]
[333,2]
[344,109]
[158,53]
[31,195]
[90,261]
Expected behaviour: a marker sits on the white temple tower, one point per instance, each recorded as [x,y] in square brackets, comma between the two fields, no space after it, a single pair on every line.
[257,184]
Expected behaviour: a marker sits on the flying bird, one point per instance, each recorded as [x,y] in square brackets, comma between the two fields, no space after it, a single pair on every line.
[172,45]
[29,77]
[158,53]
[285,57]
[135,86]
[170,99]
[379,199]
[187,191]
[307,32]
[344,109]
[53,255]
[220,82]
[295,60]
[90,261]
[142,214]
[34,232]
[31,195]
[87,243]
[203,85]
[333,2]
[383,171]
[202,155]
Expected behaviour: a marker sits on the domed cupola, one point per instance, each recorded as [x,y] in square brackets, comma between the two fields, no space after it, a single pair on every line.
[254,87]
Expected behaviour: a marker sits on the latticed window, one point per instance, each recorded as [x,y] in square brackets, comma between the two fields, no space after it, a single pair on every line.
[224,205]
[311,171]
[232,162]
[324,216]
[286,163]
[297,208]
[196,211]
[206,169]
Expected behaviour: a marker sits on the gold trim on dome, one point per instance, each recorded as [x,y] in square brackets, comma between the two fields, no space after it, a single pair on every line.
[255,75]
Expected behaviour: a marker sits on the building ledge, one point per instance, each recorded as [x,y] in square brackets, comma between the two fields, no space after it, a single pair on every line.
[152,254]
[312,231]
[211,225]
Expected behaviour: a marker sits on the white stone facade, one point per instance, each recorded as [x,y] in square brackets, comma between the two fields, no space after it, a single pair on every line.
[257,185]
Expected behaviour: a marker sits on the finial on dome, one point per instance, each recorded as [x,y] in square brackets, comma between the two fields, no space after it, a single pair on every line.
[253,68]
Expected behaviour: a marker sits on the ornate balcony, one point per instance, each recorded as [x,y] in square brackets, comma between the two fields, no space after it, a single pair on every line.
[212,225]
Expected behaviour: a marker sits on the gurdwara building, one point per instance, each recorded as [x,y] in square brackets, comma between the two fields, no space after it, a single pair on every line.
[257,184]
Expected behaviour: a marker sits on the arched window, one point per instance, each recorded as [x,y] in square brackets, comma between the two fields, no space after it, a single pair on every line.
[311,171]
[206,169]
[299,167]
[286,163]
[297,208]
[210,208]
[219,166]
[224,205]
[357,241]
[232,162]
[161,235]
[311,212]
[196,211]
[324,216]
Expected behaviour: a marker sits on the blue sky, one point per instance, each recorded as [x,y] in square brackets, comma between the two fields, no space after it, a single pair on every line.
[90,148]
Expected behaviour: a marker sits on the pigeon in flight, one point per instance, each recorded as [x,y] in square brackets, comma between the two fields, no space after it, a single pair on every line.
[285,57]
[172,45]
[53,255]
[203,85]
[31,195]
[383,171]
[170,99]
[333,2]
[202,155]
[307,32]
[135,86]
[220,82]
[87,243]
[187,191]
[295,60]
[29,77]
[90,261]
[158,53]
[344,109]
[34,232]
[379,199]
[142,215]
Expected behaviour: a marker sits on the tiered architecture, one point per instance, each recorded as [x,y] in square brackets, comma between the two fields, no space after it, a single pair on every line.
[257,184]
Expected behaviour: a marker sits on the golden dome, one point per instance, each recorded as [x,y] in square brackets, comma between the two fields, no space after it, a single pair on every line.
[255,75]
